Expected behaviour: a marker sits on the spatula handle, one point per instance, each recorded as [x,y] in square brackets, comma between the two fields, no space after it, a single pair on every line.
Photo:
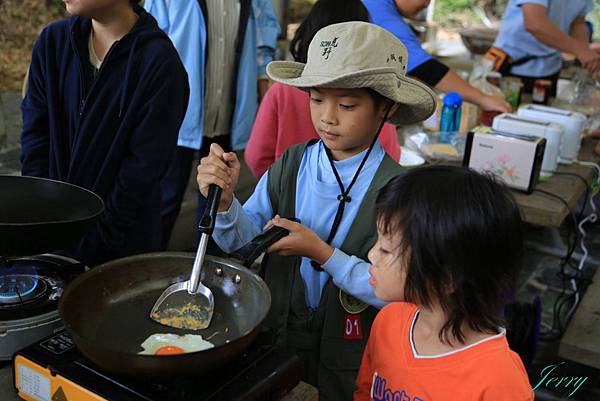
[206,227]
[207,222]
[259,244]
[194,281]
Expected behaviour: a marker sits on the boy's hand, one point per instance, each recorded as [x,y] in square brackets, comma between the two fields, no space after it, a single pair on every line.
[221,168]
[301,241]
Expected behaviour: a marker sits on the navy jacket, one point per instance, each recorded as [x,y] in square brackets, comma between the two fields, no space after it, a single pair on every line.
[113,134]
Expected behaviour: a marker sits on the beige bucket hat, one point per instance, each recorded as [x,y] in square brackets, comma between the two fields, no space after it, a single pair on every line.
[360,55]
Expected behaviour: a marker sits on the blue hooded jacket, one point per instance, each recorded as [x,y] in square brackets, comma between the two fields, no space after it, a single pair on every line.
[113,134]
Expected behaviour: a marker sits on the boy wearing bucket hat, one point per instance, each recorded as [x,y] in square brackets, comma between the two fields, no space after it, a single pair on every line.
[322,304]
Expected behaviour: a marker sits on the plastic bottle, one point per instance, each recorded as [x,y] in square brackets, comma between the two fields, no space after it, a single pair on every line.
[450,118]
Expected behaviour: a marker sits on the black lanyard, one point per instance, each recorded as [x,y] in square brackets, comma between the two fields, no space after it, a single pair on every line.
[344,196]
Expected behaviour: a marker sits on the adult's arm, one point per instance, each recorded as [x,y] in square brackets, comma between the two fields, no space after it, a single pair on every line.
[266,41]
[541,26]
[434,73]
[451,82]
[579,30]
[152,140]
[35,136]
[431,72]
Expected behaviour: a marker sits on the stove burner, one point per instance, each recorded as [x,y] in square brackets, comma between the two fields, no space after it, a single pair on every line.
[20,288]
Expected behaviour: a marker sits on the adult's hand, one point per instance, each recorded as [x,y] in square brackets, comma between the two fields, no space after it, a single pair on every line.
[589,59]
[451,82]
[494,103]
[537,22]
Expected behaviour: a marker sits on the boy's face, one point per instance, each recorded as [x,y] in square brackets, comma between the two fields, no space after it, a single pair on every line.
[388,268]
[345,119]
[92,8]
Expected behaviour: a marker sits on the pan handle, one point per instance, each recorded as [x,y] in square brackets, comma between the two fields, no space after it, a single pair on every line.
[207,222]
[248,253]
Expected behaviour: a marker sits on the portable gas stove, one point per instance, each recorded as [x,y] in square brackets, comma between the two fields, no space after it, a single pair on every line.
[54,370]
[29,291]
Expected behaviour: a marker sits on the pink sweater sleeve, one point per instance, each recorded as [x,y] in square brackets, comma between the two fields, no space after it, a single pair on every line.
[389,141]
[260,150]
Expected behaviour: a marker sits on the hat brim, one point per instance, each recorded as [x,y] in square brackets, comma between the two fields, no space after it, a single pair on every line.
[416,101]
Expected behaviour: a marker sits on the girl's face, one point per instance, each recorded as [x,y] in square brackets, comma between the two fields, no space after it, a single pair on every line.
[388,267]
[345,119]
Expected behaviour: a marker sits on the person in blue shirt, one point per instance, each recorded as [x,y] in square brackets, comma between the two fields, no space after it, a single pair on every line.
[225,47]
[322,304]
[538,31]
[106,96]
[390,14]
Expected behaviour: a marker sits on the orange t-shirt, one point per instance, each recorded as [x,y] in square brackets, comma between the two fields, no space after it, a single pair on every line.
[391,369]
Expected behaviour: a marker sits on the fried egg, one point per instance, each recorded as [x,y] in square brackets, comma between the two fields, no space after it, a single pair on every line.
[172,344]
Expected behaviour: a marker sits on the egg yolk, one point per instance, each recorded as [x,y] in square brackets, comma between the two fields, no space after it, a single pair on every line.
[168,350]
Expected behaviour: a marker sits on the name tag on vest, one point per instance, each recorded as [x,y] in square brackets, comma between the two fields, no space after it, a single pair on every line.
[352,327]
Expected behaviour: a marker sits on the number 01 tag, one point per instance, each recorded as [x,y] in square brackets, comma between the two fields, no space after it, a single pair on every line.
[352,327]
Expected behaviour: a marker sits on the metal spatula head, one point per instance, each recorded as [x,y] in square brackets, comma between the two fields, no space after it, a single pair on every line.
[183,307]
[178,308]
[189,304]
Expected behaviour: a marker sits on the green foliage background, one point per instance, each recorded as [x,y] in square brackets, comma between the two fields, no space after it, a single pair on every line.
[446,7]
[595,18]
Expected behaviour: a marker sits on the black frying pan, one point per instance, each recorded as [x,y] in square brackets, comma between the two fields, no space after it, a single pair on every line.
[107,310]
[39,215]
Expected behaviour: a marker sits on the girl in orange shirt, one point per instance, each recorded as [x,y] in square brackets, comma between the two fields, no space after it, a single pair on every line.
[448,251]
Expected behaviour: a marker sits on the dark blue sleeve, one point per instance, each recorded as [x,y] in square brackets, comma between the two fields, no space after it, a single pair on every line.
[153,141]
[35,137]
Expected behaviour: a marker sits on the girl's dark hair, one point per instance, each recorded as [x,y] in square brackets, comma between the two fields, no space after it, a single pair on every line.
[134,2]
[462,234]
[322,14]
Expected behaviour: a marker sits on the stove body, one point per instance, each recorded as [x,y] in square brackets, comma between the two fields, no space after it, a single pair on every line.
[53,369]
[30,288]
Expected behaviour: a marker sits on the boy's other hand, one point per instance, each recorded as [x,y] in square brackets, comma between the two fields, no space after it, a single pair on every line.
[301,241]
[220,168]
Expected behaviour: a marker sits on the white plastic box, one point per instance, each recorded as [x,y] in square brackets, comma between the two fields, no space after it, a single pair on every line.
[571,121]
[553,132]
[515,159]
